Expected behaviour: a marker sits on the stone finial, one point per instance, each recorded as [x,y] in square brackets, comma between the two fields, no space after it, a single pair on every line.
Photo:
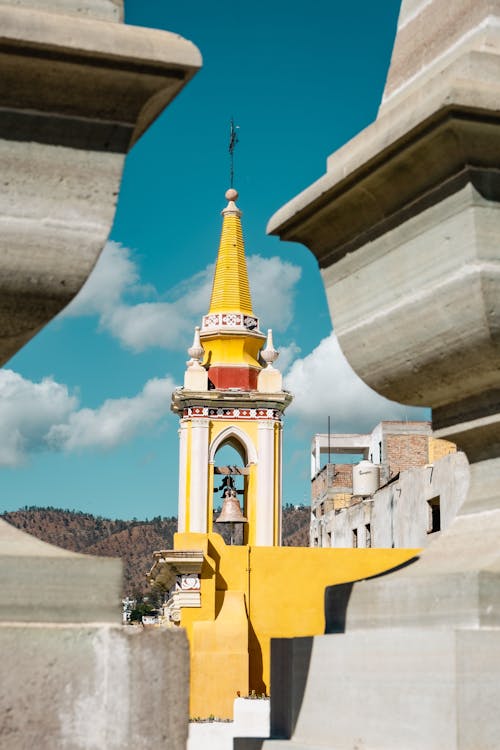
[231,208]
[196,350]
[270,379]
[196,377]
[269,354]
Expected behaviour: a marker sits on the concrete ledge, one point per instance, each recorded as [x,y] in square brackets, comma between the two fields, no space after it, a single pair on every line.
[348,208]
[252,717]
[75,94]
[43,583]
[88,687]
[73,67]
[210,735]
[418,688]
[105,10]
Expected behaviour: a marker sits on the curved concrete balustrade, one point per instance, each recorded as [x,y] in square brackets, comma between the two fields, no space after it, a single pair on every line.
[76,90]
[75,94]
[405,226]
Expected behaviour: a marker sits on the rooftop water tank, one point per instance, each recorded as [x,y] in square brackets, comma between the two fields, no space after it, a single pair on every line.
[365,478]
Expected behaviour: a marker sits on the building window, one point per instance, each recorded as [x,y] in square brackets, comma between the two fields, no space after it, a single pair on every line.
[329,538]
[315,542]
[368,535]
[434,515]
[354,538]
[380,452]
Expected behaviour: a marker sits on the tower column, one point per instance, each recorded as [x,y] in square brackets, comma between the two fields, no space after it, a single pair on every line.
[279,488]
[264,531]
[198,476]
[183,451]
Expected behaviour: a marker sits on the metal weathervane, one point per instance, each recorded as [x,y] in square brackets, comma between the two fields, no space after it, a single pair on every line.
[233,140]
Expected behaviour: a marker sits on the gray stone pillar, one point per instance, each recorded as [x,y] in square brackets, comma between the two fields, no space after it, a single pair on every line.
[73,677]
[77,89]
[406,222]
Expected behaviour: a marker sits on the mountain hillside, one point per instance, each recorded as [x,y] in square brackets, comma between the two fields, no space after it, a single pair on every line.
[296,520]
[133,541]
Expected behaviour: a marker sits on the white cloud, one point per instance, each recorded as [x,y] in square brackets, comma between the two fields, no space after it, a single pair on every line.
[27,412]
[287,356]
[45,415]
[114,283]
[272,283]
[323,383]
[114,274]
[139,327]
[116,421]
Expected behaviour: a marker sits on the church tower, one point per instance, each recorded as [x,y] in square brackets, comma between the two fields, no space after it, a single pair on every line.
[232,396]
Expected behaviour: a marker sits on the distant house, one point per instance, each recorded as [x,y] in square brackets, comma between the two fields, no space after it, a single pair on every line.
[401,488]
[152,618]
[128,605]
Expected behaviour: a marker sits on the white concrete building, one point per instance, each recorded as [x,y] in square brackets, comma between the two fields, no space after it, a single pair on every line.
[406,488]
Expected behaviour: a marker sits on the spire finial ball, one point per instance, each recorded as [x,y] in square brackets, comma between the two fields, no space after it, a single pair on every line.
[231,194]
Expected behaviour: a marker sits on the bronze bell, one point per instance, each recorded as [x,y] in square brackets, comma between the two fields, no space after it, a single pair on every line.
[231,511]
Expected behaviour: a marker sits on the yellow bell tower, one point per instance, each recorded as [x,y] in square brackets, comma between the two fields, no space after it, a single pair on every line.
[230,598]
[232,395]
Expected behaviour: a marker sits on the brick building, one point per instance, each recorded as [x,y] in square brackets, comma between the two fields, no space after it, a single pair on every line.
[417,483]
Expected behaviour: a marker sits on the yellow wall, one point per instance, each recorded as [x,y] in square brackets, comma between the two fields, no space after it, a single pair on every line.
[287,587]
[252,594]
[236,349]
[219,658]
[438,448]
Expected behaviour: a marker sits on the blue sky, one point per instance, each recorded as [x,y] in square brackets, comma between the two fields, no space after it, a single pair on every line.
[85,405]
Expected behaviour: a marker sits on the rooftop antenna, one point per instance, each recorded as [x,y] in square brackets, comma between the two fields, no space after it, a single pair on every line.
[233,140]
[328,439]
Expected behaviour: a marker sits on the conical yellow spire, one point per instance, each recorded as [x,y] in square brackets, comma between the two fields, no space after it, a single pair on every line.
[230,333]
[231,290]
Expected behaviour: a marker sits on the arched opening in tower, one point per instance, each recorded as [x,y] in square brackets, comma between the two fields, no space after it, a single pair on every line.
[230,492]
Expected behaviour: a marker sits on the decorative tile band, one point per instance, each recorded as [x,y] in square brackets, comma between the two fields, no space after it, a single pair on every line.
[230,320]
[231,413]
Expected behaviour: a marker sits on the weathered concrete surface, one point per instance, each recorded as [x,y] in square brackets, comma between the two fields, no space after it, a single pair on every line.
[75,94]
[76,90]
[73,677]
[406,500]
[414,353]
[75,588]
[393,336]
[462,86]
[106,10]
[406,222]
[92,687]
[251,719]
[210,735]
[415,197]
[429,37]
[252,716]
[379,689]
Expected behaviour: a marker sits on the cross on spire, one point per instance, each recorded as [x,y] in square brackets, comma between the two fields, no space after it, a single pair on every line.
[233,140]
